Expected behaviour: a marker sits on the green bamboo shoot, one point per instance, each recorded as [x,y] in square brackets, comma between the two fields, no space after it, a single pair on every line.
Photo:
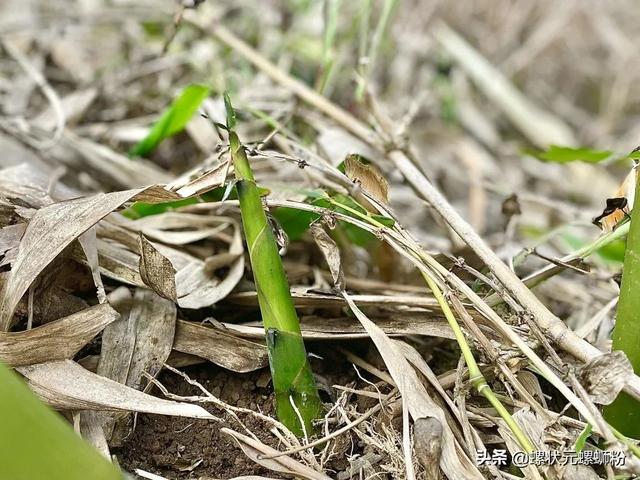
[295,389]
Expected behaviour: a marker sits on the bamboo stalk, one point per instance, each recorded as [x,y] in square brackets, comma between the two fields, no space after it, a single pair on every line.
[624,412]
[297,400]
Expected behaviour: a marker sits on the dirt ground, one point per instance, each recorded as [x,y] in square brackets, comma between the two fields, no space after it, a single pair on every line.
[182,448]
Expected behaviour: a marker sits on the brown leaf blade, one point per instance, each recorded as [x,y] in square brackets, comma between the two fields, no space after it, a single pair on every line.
[368,176]
[66,385]
[57,340]
[331,254]
[56,226]
[156,270]
[606,375]
[220,347]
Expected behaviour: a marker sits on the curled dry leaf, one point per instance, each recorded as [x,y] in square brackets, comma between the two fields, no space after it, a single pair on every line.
[66,385]
[605,376]
[331,254]
[221,347]
[370,179]
[197,288]
[118,263]
[57,340]
[141,341]
[56,226]
[196,284]
[213,263]
[254,449]
[156,270]
[178,228]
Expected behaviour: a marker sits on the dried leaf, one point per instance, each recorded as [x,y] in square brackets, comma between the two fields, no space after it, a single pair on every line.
[347,328]
[141,341]
[605,376]
[91,431]
[198,289]
[57,340]
[255,449]
[203,182]
[153,321]
[331,254]
[73,105]
[196,285]
[66,385]
[220,347]
[112,166]
[156,271]
[368,176]
[10,236]
[213,263]
[454,461]
[304,297]
[89,244]
[119,263]
[118,339]
[56,226]
[178,228]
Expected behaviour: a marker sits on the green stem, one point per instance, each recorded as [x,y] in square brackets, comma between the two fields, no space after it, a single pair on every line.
[475,374]
[293,380]
[624,413]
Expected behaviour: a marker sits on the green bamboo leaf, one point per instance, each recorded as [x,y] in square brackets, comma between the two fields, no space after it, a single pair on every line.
[37,443]
[557,154]
[173,120]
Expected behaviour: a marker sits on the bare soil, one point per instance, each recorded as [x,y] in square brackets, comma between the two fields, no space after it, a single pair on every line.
[182,448]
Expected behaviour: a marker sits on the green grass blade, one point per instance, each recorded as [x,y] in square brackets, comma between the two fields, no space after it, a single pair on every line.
[581,441]
[173,120]
[624,413]
[36,443]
